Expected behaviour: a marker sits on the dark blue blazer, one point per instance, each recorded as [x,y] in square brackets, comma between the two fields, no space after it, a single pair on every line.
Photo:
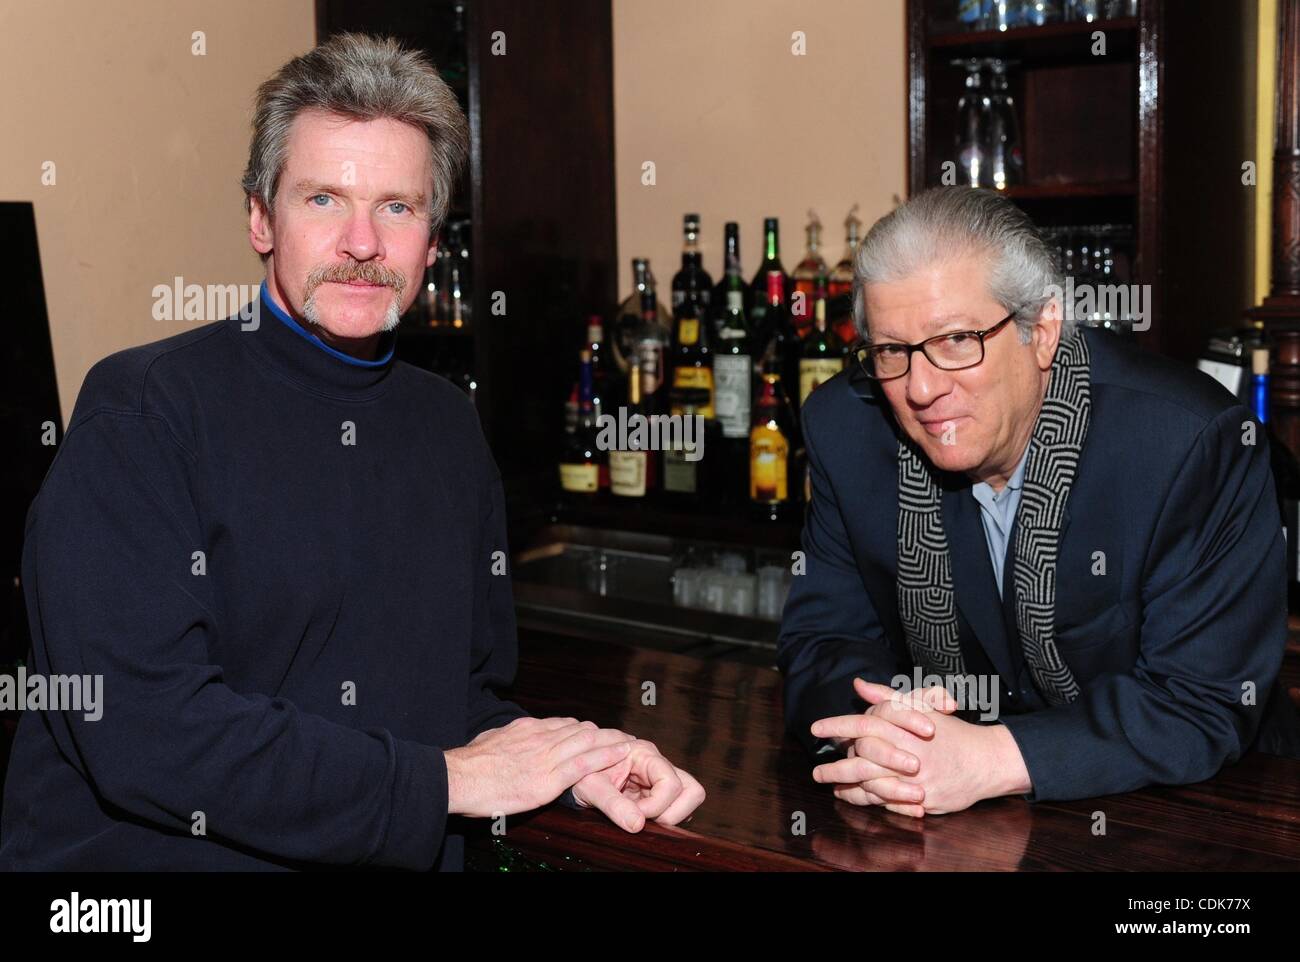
[1188,621]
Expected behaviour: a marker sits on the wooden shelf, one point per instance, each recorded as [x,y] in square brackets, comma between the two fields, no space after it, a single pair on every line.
[733,527]
[1068,191]
[1052,42]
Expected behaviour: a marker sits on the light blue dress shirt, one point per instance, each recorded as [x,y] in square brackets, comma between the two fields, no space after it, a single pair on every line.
[998,512]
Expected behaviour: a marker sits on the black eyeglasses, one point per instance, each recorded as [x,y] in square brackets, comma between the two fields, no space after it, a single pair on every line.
[948,352]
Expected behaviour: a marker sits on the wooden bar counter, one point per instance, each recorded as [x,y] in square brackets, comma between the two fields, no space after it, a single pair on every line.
[721,720]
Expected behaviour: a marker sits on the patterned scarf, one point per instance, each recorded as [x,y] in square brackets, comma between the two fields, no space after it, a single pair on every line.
[926,601]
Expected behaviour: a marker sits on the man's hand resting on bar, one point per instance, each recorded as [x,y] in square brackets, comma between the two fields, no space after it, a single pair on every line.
[909,753]
[532,761]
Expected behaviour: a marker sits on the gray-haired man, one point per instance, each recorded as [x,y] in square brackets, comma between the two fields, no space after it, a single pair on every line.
[1078,541]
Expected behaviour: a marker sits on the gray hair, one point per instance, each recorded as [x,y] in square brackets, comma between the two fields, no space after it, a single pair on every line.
[363,78]
[949,222]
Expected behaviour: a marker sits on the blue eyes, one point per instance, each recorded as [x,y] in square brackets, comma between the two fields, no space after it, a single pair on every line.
[396,207]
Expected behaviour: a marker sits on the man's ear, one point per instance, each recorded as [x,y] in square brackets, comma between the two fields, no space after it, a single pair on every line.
[433,251]
[260,232]
[1047,334]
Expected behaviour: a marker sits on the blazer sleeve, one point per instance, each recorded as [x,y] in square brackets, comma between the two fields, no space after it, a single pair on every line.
[830,632]
[1213,633]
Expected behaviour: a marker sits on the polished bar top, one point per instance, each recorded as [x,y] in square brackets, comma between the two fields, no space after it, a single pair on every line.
[721,721]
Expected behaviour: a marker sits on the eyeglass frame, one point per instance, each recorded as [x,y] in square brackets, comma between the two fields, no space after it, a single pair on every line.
[920,346]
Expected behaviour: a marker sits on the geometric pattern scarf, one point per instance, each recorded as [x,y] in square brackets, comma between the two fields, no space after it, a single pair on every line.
[926,599]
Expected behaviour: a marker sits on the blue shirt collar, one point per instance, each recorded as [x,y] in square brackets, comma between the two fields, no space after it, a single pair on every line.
[987,497]
[284,318]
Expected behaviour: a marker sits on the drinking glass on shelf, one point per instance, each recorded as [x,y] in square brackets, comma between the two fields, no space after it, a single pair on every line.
[686,587]
[1087,11]
[973,111]
[1005,160]
[771,591]
[973,14]
[1038,13]
[600,570]
[1005,14]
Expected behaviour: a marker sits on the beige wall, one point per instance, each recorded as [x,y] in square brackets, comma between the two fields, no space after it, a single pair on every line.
[149,140]
[148,143]
[740,128]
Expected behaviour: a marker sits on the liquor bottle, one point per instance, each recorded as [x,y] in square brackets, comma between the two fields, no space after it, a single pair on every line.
[602,375]
[730,254]
[571,410]
[650,348]
[627,320]
[690,479]
[771,452]
[808,276]
[1286,474]
[692,282]
[822,356]
[584,468]
[771,262]
[633,470]
[782,349]
[840,280]
[692,358]
[733,373]
[442,283]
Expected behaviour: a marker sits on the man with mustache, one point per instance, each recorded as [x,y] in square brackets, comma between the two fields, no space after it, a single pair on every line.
[999,495]
[284,551]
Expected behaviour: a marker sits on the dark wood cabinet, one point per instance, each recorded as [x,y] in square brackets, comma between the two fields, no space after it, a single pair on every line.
[1151,134]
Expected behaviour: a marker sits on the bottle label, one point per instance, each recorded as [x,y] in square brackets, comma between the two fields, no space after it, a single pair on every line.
[595,333]
[816,371]
[679,474]
[735,301]
[688,331]
[687,377]
[651,354]
[580,478]
[769,454]
[734,374]
[627,473]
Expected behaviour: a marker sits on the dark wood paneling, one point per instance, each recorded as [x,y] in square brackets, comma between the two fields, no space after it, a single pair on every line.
[545,208]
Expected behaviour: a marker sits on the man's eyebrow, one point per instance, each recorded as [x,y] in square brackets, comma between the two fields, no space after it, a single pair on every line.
[418,199]
[315,186]
[931,326]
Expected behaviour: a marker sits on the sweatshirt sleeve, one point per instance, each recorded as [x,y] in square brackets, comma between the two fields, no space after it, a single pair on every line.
[108,569]
[494,645]
[1213,632]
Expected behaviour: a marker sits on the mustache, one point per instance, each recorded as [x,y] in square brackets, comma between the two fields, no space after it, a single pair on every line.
[367,272]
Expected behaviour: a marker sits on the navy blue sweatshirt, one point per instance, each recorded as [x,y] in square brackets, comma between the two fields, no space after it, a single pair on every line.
[280,559]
